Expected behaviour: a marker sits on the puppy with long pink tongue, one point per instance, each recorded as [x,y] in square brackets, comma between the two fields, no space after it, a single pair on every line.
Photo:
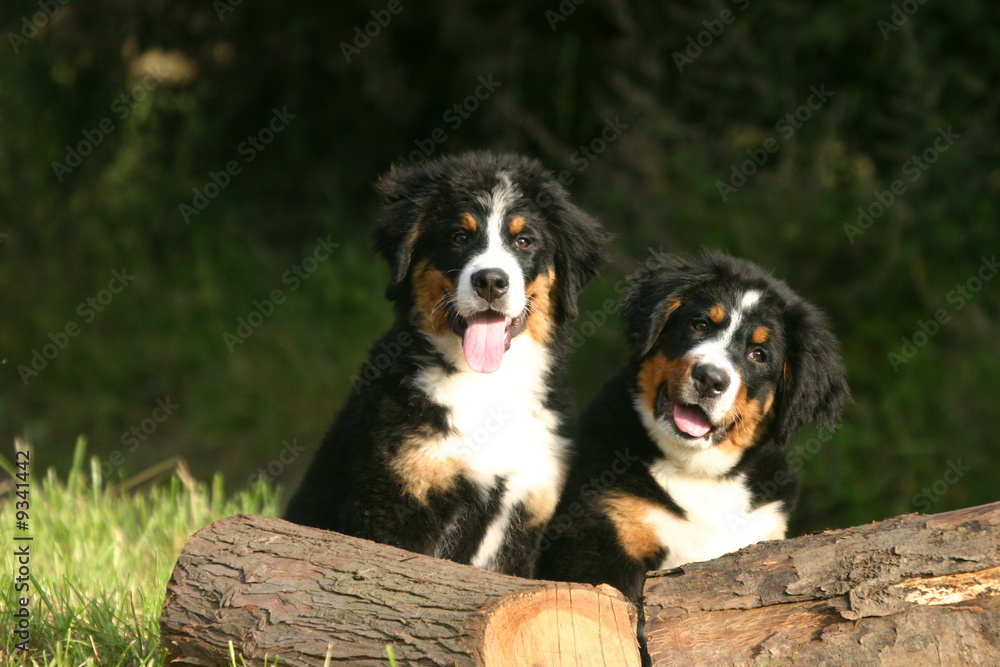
[485,340]
[691,421]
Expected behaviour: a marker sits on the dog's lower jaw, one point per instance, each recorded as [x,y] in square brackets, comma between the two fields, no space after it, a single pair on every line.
[664,413]
[702,459]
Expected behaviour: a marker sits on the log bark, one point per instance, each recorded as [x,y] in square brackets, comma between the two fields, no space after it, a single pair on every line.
[912,590]
[305,596]
[909,591]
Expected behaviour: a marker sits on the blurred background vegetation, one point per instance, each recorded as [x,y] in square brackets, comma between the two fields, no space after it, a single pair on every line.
[182,85]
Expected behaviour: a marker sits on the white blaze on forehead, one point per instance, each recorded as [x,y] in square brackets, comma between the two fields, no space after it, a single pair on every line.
[499,201]
[716,352]
[749,300]
[497,255]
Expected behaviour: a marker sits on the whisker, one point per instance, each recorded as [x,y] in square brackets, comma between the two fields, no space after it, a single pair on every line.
[739,413]
[443,301]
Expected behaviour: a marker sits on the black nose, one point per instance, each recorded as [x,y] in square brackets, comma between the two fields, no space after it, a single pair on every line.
[709,380]
[491,284]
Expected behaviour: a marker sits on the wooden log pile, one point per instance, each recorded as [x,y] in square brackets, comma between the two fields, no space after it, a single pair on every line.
[909,591]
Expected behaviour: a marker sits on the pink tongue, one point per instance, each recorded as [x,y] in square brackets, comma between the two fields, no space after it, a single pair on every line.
[485,342]
[691,420]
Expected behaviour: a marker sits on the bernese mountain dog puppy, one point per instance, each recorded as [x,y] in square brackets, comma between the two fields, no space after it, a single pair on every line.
[459,444]
[681,456]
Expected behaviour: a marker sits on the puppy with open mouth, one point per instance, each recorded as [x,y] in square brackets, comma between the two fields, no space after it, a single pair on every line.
[681,456]
[458,446]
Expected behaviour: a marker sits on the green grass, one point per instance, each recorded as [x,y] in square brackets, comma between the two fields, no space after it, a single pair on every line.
[101,558]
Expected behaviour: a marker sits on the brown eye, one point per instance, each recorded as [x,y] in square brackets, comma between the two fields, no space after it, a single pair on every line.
[460,238]
[522,242]
[758,355]
[699,325]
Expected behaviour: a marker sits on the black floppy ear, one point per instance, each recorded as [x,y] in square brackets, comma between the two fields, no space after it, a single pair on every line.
[813,387]
[406,194]
[655,292]
[580,249]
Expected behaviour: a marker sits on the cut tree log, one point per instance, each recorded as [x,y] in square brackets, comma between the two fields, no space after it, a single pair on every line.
[913,590]
[304,596]
[909,591]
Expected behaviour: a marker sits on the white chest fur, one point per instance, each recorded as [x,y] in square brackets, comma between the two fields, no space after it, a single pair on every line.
[500,429]
[719,516]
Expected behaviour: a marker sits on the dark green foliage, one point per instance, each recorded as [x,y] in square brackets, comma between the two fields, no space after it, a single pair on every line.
[656,185]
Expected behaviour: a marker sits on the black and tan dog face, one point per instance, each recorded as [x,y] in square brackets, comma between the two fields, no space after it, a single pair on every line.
[485,247]
[727,354]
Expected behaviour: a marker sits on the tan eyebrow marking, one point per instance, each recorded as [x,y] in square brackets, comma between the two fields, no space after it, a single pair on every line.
[516,225]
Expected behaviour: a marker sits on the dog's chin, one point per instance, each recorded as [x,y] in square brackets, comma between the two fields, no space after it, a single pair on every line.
[687,424]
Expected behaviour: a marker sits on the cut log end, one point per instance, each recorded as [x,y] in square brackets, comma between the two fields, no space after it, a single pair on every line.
[306,596]
[573,624]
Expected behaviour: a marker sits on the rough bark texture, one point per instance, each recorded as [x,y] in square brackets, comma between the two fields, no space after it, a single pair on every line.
[910,591]
[913,590]
[302,595]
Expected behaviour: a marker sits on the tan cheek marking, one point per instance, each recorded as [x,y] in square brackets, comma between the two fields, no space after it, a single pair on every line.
[421,473]
[429,286]
[516,226]
[469,223]
[540,323]
[760,335]
[750,429]
[541,505]
[656,370]
[717,313]
[627,514]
